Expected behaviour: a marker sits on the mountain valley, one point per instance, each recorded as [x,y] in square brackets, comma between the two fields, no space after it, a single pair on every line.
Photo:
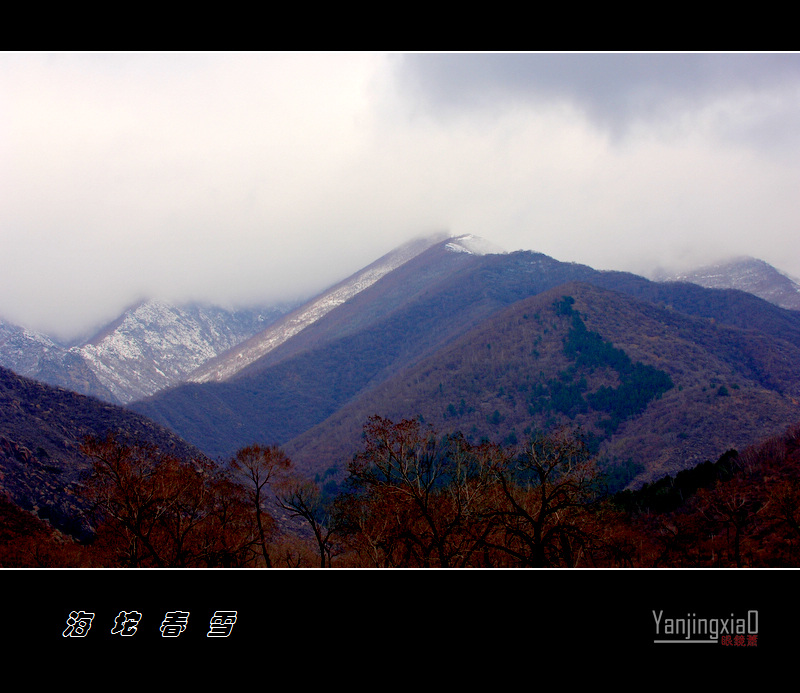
[657,376]
[313,394]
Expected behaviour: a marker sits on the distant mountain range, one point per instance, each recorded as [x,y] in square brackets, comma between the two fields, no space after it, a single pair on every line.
[658,375]
[444,335]
[468,337]
[155,345]
[746,274]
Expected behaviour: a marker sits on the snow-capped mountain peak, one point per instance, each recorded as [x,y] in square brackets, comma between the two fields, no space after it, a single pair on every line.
[150,346]
[155,344]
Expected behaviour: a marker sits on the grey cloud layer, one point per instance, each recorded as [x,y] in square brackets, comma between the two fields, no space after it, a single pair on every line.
[244,177]
[614,90]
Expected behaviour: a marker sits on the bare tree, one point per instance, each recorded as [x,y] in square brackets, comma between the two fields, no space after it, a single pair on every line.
[543,493]
[152,509]
[260,469]
[303,499]
[417,500]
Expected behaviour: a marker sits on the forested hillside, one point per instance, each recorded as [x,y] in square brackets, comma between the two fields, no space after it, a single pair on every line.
[463,410]
[655,390]
[413,498]
[334,374]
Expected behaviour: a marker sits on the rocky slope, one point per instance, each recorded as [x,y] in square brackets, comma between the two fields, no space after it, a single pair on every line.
[156,345]
[152,345]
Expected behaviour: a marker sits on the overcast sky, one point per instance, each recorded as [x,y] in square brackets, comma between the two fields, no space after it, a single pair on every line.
[241,177]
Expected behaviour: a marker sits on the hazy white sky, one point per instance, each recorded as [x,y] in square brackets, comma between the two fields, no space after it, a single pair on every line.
[241,177]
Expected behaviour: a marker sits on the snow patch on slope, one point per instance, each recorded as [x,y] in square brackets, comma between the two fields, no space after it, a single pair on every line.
[156,345]
[474,245]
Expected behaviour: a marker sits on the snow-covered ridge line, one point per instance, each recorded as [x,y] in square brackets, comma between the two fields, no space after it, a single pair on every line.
[253,349]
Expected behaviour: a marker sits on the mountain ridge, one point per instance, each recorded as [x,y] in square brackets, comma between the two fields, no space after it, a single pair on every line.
[217,347]
[242,356]
[294,394]
[497,397]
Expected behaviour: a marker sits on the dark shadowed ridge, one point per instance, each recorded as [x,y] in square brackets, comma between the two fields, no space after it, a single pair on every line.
[41,432]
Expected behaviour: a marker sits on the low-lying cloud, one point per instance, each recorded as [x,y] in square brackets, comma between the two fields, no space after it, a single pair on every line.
[252,177]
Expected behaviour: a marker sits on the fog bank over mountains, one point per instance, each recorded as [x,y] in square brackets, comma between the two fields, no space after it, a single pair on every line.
[244,179]
[155,345]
